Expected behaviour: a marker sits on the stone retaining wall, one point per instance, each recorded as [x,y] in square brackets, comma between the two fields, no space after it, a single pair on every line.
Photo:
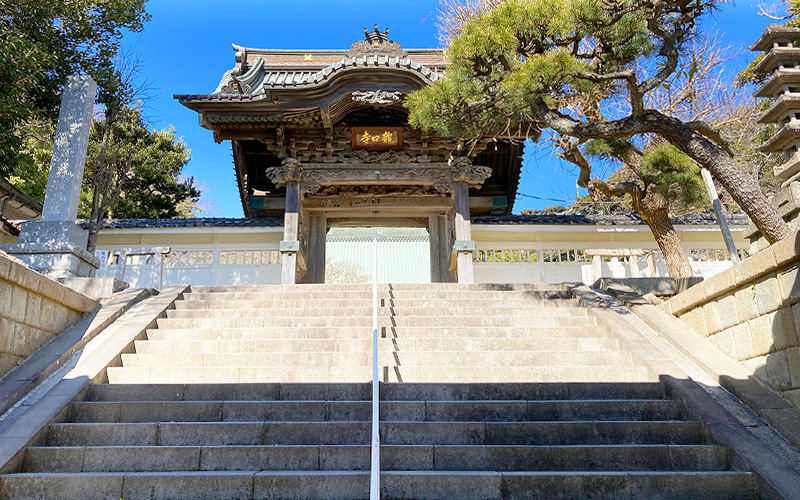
[33,310]
[752,313]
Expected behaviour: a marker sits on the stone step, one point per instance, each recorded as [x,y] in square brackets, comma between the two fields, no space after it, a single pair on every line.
[474,359]
[366,311]
[366,322]
[191,304]
[454,294]
[393,457]
[354,485]
[465,334]
[484,287]
[519,391]
[487,411]
[307,391]
[589,432]
[388,392]
[348,374]
[180,346]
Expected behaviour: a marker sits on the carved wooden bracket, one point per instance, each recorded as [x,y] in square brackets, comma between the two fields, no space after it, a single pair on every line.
[289,171]
[441,177]
[461,169]
[464,171]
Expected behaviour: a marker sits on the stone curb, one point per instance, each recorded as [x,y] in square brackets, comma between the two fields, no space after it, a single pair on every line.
[768,404]
[27,422]
[769,260]
[46,360]
[776,477]
[29,279]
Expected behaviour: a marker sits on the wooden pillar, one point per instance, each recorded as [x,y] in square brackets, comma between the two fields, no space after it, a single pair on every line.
[290,245]
[440,228]
[315,248]
[463,246]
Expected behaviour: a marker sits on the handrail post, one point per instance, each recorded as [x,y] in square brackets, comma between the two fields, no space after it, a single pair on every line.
[375,469]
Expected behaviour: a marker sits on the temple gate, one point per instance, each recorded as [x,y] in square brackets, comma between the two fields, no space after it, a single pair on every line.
[322,139]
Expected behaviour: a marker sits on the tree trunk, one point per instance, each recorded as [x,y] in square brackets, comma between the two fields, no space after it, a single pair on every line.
[99,175]
[739,184]
[653,208]
[94,222]
[670,245]
[710,155]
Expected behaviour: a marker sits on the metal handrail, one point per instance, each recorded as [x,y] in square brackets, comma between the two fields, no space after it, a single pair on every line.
[375,469]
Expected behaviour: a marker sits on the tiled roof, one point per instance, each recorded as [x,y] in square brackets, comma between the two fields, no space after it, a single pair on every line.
[19,205]
[599,220]
[196,222]
[259,78]
[497,220]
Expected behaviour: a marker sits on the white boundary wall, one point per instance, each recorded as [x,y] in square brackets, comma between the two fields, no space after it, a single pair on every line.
[504,253]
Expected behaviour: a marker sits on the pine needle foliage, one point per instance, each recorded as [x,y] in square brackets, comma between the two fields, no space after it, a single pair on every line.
[676,176]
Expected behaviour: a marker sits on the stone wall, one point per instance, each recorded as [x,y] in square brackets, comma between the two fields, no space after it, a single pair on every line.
[752,313]
[33,310]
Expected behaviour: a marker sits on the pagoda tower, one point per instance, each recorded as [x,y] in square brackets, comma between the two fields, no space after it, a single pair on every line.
[781,61]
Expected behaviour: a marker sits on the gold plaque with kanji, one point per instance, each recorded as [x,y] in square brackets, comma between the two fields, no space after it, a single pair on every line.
[377,138]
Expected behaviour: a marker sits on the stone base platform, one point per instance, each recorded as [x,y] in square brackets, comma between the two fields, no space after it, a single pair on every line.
[55,261]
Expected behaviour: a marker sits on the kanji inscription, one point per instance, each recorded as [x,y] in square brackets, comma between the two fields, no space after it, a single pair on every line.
[377,138]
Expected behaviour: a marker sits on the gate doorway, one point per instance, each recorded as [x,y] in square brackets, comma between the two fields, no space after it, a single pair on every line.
[403,255]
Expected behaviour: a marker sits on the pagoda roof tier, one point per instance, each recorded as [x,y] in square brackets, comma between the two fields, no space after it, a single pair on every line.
[775,32]
[775,82]
[780,108]
[774,57]
[790,168]
[784,139]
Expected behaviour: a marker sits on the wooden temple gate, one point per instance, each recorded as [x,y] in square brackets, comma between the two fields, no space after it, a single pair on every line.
[446,214]
[322,139]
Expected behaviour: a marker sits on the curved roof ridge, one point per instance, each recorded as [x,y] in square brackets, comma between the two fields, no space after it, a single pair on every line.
[258,79]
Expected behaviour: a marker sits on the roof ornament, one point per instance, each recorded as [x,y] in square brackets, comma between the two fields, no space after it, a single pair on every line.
[376,42]
[376,37]
[376,97]
[240,57]
[243,84]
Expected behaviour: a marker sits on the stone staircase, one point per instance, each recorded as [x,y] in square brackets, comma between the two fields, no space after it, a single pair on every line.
[263,392]
[428,333]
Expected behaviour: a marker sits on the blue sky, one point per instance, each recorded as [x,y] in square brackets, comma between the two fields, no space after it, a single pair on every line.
[186,48]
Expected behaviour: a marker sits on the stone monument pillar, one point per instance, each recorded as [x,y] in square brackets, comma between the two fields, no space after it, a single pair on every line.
[55,245]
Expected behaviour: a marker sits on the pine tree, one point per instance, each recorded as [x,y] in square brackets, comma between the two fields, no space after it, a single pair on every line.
[582,69]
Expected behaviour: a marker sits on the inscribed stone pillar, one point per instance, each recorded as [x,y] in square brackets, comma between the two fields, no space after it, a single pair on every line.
[55,245]
[463,246]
